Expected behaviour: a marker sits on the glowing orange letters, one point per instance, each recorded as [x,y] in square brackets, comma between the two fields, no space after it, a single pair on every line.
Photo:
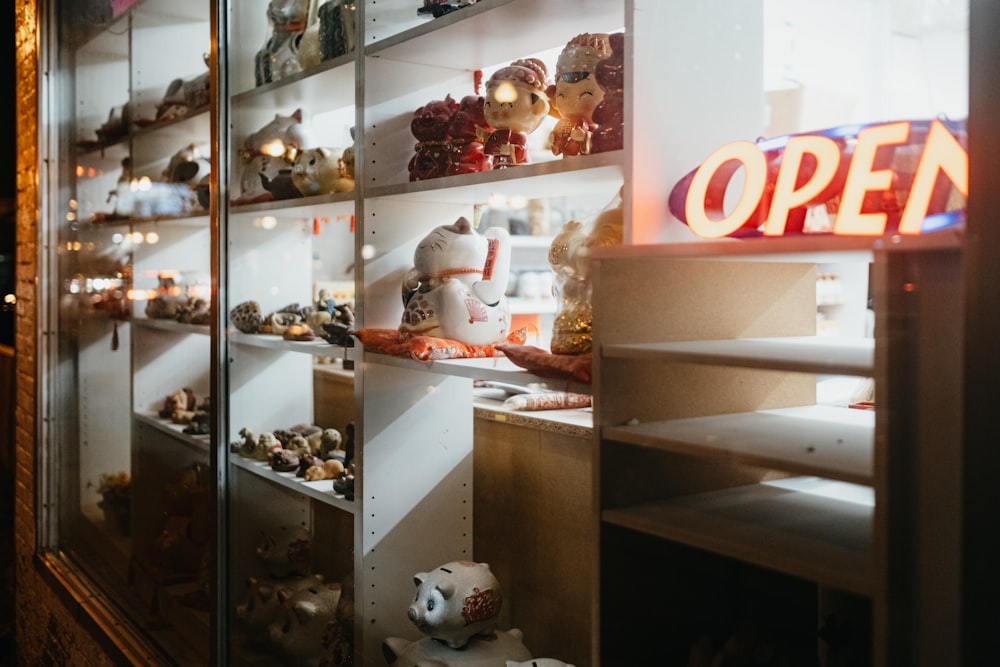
[808,170]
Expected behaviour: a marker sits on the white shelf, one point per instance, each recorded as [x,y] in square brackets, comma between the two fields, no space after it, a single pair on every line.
[537,180]
[199,442]
[830,442]
[329,85]
[801,534]
[172,326]
[317,348]
[318,206]
[805,354]
[321,490]
[458,38]
[500,369]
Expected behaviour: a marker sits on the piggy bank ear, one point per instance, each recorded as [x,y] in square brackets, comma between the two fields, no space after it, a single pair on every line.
[325,152]
[418,578]
[446,589]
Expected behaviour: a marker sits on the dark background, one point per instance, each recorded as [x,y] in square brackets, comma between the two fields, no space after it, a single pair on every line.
[7,176]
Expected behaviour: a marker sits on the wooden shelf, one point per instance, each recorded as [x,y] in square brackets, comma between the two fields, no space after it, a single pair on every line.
[831,442]
[805,354]
[321,490]
[800,534]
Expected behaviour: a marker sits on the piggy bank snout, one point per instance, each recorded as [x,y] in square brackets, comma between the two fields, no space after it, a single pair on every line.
[413,613]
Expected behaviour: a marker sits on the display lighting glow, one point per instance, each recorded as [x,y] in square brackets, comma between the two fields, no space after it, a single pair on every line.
[10,298]
[152,237]
[878,178]
[267,222]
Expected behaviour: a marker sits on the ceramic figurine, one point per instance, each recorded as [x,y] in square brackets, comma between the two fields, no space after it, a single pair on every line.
[569,256]
[320,171]
[278,57]
[468,127]
[429,126]
[516,104]
[267,153]
[263,604]
[575,93]
[300,634]
[610,113]
[455,602]
[247,316]
[286,552]
[336,28]
[187,166]
[491,651]
[456,287]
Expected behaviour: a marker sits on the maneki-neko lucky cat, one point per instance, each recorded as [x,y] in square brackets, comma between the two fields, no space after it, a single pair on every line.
[456,287]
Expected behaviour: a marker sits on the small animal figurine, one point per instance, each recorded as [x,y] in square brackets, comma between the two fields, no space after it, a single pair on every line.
[490,651]
[516,104]
[468,127]
[263,602]
[286,552]
[429,126]
[269,152]
[320,171]
[300,632]
[455,602]
[279,55]
[456,287]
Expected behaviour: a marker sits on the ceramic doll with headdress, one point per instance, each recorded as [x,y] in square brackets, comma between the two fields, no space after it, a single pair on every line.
[516,104]
[575,93]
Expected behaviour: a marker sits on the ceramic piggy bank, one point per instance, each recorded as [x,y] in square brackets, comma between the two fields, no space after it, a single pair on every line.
[489,651]
[301,632]
[456,286]
[264,602]
[455,602]
[320,171]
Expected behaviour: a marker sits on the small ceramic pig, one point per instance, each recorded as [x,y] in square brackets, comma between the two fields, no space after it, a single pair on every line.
[263,604]
[287,552]
[300,633]
[499,647]
[320,171]
[455,602]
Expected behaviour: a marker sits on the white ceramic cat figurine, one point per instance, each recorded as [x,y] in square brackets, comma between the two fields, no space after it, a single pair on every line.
[456,286]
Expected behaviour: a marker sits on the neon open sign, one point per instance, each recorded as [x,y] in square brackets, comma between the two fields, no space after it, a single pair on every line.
[906,177]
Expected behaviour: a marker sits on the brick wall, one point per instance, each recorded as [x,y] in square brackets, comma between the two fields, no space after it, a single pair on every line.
[48,631]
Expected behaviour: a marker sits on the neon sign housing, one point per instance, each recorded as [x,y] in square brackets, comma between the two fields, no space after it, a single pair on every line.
[906,177]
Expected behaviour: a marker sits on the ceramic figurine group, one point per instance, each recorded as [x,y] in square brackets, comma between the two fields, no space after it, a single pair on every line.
[293,613]
[586,98]
[327,319]
[278,162]
[311,452]
[181,407]
[456,607]
[295,44]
